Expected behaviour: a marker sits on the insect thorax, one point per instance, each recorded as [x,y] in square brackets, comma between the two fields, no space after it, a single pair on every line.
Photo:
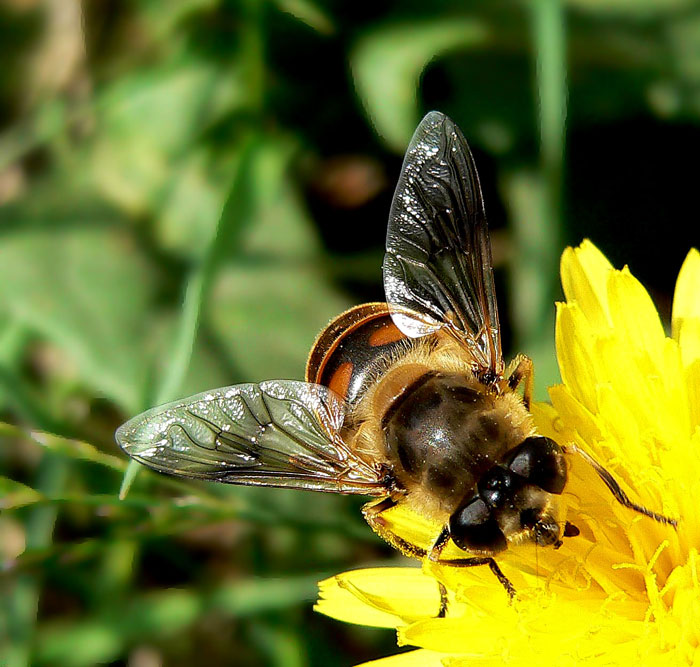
[445,431]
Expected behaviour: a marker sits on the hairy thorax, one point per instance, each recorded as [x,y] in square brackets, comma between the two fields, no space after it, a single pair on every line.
[438,428]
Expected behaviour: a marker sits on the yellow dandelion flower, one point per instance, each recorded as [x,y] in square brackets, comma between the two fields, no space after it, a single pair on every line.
[626,590]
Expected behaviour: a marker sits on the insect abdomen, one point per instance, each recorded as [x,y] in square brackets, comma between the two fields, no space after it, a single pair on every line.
[349,354]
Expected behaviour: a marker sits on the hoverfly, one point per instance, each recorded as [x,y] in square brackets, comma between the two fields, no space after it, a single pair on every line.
[407,400]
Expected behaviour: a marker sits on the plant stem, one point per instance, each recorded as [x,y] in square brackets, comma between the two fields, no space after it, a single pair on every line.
[21,605]
[537,225]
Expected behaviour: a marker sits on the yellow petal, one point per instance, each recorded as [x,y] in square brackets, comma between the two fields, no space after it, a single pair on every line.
[574,416]
[688,336]
[684,473]
[686,300]
[478,635]
[620,429]
[531,633]
[419,658]
[576,353]
[634,317]
[547,420]
[692,379]
[584,275]
[636,379]
[412,527]
[673,391]
[382,597]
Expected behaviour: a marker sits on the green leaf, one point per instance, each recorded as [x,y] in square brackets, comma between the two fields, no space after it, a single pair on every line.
[266,309]
[78,644]
[190,203]
[167,106]
[162,614]
[387,65]
[255,596]
[636,8]
[72,449]
[160,17]
[15,494]
[267,205]
[151,123]
[165,612]
[309,13]
[87,290]
[267,317]
[13,339]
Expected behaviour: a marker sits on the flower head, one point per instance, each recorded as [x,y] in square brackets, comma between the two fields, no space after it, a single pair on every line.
[627,588]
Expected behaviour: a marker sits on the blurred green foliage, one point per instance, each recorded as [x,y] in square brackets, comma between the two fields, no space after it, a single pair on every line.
[191,189]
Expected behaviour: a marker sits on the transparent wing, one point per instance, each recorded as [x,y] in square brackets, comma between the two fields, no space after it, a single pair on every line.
[280,433]
[437,267]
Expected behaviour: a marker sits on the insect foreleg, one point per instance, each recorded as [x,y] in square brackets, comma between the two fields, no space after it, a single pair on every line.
[372,513]
[473,561]
[523,370]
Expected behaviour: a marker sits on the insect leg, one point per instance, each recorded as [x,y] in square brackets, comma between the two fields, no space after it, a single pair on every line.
[443,600]
[473,561]
[615,489]
[523,371]
[372,513]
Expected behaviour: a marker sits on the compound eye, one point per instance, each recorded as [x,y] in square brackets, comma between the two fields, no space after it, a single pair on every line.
[541,462]
[473,528]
